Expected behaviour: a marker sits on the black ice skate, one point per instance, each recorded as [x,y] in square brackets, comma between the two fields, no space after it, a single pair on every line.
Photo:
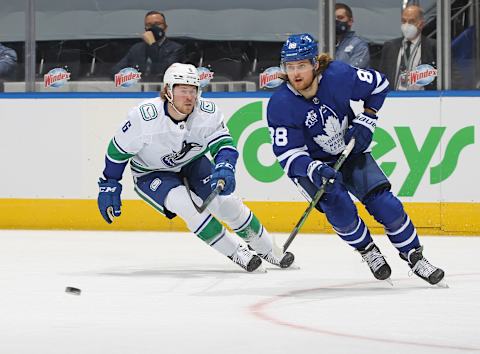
[285,260]
[421,267]
[377,263]
[246,259]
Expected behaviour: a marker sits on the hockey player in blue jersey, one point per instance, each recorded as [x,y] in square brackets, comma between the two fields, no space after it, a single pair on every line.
[311,121]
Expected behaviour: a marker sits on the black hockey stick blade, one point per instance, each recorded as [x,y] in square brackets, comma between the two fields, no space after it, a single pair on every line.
[343,156]
[208,200]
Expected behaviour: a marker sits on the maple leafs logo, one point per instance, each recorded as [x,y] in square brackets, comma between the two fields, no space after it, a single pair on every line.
[311,118]
[332,141]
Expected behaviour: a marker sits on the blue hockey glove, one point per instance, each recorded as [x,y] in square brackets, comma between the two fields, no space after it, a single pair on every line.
[226,172]
[109,202]
[362,129]
[318,172]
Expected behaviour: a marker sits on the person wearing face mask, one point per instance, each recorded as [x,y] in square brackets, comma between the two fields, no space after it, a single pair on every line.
[155,53]
[402,55]
[350,48]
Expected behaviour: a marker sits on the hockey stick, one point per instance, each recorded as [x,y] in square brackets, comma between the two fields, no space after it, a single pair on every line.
[208,200]
[319,194]
[110,214]
[200,209]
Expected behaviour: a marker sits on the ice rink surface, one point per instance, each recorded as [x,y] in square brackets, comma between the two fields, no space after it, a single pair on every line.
[146,292]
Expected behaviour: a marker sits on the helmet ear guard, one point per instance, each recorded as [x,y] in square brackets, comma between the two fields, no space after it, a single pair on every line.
[168,93]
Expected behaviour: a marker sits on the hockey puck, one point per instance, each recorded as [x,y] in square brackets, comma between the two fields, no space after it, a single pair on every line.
[72,290]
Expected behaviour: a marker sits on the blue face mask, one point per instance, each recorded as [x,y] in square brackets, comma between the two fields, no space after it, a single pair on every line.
[341,27]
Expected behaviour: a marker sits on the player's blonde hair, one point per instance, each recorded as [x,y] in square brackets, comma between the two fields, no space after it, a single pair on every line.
[324,60]
[163,93]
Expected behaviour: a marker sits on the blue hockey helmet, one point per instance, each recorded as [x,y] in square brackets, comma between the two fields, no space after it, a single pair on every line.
[299,47]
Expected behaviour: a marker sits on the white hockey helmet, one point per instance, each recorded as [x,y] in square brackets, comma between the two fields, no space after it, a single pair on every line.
[179,73]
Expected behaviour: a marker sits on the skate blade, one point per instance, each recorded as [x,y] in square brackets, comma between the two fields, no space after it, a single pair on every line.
[389,281]
[293,266]
[442,284]
[260,269]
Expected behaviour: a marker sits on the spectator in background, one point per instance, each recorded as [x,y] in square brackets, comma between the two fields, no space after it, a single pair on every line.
[8,62]
[404,54]
[350,48]
[156,53]
[463,60]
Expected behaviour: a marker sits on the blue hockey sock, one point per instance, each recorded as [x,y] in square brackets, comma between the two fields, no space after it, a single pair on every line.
[388,211]
[404,236]
[356,235]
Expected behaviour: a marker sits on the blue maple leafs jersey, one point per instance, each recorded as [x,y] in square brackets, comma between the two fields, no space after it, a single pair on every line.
[304,130]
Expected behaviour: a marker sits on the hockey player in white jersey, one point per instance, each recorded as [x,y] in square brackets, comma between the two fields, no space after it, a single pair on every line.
[165,139]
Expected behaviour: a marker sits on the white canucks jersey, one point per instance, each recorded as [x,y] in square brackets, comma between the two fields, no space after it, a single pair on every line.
[153,142]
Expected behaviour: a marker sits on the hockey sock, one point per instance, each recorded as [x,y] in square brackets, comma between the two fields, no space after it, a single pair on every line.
[215,235]
[342,214]
[204,225]
[388,210]
[404,236]
[356,235]
[257,237]
[250,229]
[237,216]
[243,222]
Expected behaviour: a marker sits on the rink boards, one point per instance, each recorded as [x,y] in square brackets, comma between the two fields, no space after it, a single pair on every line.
[427,143]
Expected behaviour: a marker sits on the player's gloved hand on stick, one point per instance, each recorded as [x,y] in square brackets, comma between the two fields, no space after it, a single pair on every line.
[109,202]
[318,172]
[224,171]
[362,129]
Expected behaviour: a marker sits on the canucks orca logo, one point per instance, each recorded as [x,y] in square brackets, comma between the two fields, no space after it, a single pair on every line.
[173,159]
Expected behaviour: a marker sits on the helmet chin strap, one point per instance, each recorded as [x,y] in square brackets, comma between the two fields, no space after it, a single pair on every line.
[169,97]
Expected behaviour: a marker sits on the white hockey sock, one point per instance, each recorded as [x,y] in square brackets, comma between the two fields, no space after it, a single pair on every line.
[227,244]
[204,225]
[262,243]
[238,216]
[231,210]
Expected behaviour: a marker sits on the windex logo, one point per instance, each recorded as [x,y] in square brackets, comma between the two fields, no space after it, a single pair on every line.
[205,76]
[270,78]
[127,77]
[422,75]
[56,77]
